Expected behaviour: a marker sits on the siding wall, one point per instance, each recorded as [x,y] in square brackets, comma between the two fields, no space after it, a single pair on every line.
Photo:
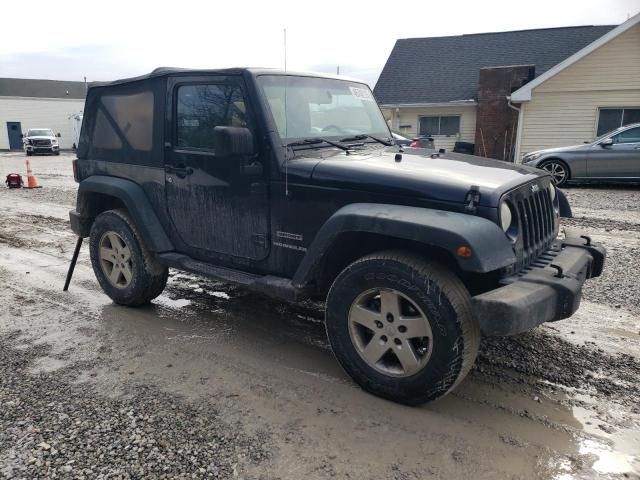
[39,112]
[411,115]
[564,109]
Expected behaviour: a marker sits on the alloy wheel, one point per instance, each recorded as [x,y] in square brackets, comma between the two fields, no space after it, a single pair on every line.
[558,172]
[390,332]
[115,260]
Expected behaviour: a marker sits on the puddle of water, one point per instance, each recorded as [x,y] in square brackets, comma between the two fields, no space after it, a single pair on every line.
[609,459]
[616,452]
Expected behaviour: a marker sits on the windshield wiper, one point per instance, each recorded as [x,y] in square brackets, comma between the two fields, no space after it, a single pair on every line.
[316,140]
[364,136]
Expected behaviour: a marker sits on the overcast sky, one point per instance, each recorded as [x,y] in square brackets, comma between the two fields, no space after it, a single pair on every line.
[111,39]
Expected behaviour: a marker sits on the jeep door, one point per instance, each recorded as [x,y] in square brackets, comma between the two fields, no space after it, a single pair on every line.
[216,206]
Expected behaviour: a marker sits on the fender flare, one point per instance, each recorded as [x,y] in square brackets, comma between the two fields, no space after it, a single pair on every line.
[136,202]
[563,203]
[435,228]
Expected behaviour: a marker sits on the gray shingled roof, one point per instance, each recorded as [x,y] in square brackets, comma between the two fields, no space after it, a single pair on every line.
[444,69]
[26,87]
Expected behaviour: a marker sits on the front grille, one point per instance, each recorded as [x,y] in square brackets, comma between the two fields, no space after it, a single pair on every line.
[41,143]
[537,221]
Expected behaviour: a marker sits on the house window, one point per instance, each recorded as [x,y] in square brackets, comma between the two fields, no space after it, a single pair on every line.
[612,118]
[449,125]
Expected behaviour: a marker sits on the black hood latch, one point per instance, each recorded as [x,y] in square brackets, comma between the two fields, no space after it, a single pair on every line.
[472,199]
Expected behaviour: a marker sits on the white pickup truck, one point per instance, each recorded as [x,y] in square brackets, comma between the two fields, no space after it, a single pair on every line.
[41,140]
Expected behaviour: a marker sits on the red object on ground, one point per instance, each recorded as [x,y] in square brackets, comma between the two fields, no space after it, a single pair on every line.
[14,180]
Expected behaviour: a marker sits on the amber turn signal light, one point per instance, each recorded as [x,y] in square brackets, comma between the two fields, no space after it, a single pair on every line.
[464,251]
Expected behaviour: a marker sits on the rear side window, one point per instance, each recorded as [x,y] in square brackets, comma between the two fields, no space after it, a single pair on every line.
[124,119]
[201,108]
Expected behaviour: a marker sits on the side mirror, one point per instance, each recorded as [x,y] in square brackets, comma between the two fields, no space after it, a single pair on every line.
[232,141]
[606,142]
[58,135]
[22,135]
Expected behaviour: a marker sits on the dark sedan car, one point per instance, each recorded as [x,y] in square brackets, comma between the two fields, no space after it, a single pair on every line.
[614,156]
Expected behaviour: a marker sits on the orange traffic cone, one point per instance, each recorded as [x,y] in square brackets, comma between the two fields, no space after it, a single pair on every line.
[31,179]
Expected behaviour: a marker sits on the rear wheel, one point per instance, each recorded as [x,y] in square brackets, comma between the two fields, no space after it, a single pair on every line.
[29,153]
[401,326]
[558,170]
[125,269]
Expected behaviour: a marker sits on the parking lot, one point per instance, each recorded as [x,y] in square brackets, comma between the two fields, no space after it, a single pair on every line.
[214,382]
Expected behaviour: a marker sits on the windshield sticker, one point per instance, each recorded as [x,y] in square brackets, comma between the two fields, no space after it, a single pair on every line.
[362,94]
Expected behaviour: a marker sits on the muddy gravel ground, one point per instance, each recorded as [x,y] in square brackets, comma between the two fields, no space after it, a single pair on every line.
[213,382]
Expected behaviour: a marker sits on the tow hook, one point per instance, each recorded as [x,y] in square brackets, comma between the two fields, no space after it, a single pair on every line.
[559,272]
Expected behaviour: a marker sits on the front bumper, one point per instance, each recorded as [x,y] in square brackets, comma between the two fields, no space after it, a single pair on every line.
[545,293]
[43,148]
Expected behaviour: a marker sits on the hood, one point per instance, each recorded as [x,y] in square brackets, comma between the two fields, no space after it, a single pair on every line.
[444,178]
[570,148]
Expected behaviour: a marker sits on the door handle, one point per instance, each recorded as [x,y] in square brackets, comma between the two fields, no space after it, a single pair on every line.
[258,188]
[251,170]
[180,172]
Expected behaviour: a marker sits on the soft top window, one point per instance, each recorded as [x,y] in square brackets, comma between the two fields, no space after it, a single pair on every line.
[201,108]
[125,120]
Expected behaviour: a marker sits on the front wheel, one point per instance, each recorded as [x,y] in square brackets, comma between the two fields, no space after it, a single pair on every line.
[558,170]
[401,326]
[125,269]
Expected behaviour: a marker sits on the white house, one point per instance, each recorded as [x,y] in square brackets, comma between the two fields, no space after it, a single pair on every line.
[592,92]
[29,103]
[509,93]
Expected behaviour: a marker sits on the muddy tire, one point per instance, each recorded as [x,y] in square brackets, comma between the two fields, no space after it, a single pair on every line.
[401,326]
[125,269]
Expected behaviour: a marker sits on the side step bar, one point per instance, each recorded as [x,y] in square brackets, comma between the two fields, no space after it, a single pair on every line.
[269,285]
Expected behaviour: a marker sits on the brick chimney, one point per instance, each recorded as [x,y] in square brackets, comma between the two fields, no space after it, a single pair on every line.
[496,122]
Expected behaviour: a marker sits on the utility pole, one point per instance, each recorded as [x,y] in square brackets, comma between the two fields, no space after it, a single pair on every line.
[338,70]
[86,88]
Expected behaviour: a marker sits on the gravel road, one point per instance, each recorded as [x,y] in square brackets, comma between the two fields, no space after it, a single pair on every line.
[214,382]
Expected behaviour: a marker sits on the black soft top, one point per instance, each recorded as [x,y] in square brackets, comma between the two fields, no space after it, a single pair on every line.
[124,120]
[168,71]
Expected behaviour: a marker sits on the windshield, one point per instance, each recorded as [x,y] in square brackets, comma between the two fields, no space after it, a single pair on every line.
[40,132]
[308,107]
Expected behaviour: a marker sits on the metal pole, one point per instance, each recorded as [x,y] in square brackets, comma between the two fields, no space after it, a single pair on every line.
[74,259]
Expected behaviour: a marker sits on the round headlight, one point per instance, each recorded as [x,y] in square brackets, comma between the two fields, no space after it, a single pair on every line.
[505,216]
[552,192]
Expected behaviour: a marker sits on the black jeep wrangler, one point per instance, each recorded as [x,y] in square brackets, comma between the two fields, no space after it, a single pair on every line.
[291,185]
